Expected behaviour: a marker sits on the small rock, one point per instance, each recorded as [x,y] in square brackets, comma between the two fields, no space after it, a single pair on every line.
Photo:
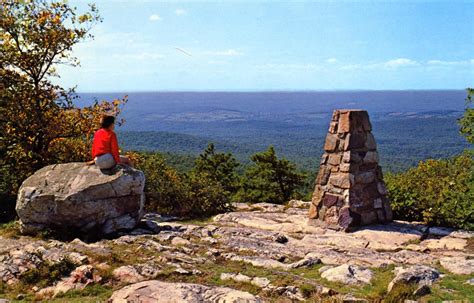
[349,298]
[281,238]
[307,262]
[182,271]
[470,281]
[127,274]
[178,241]
[261,282]
[348,274]
[291,292]
[236,277]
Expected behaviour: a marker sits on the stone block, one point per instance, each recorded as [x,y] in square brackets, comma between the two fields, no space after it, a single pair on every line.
[324,159]
[365,177]
[370,142]
[334,159]
[371,157]
[331,143]
[351,156]
[333,128]
[344,123]
[381,215]
[323,175]
[317,195]
[354,120]
[341,180]
[344,167]
[330,200]
[368,217]
[331,216]
[382,188]
[313,211]
[378,203]
[355,141]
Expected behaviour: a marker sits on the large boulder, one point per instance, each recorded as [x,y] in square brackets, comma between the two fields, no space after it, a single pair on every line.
[81,199]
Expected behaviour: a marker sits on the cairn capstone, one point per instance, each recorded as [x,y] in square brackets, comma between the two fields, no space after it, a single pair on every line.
[81,199]
[350,190]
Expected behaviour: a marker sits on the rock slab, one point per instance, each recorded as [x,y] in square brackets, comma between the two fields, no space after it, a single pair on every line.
[81,199]
[158,291]
[350,190]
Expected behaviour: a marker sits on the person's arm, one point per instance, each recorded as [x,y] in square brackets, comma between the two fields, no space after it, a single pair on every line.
[93,146]
[114,147]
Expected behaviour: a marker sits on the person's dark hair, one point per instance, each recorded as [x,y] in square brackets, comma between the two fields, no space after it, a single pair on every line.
[107,121]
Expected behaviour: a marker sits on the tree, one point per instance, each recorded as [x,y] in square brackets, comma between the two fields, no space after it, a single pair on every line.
[218,167]
[437,192]
[466,123]
[270,179]
[39,123]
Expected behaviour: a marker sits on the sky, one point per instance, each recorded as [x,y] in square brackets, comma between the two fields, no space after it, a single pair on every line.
[268,45]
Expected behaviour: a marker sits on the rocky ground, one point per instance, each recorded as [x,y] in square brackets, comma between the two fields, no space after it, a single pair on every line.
[258,253]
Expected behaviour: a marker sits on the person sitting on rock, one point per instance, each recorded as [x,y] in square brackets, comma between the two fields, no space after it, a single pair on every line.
[105,150]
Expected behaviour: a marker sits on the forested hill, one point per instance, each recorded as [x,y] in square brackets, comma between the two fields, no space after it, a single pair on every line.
[402,141]
[409,125]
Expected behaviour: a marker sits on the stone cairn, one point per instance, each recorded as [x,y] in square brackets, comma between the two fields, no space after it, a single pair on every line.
[349,189]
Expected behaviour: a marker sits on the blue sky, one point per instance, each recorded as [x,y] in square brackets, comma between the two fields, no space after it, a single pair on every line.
[248,45]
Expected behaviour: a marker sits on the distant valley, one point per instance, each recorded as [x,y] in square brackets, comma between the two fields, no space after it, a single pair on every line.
[409,125]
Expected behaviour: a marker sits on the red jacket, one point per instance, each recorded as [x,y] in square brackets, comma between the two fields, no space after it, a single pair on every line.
[105,142]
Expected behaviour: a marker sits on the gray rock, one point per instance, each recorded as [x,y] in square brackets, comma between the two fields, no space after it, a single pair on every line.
[417,274]
[458,265]
[158,291]
[306,262]
[78,197]
[281,238]
[348,274]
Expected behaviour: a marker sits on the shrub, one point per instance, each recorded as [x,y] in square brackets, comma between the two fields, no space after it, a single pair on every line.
[466,122]
[271,179]
[168,192]
[437,192]
[164,189]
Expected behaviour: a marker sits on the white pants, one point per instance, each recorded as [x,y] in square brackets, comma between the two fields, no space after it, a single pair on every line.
[105,161]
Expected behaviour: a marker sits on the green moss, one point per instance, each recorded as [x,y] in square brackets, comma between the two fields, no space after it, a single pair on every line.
[400,292]
[307,290]
[94,291]
[10,229]
[47,273]
[453,287]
